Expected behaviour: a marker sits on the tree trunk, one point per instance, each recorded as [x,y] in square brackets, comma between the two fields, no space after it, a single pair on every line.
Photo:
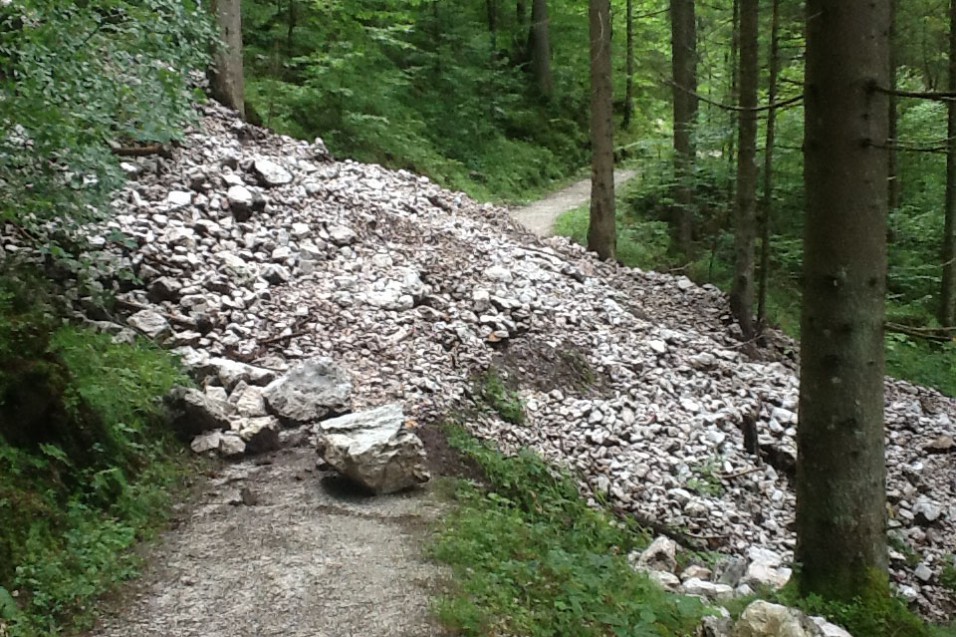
[841,473]
[893,181]
[766,207]
[745,208]
[684,68]
[292,16]
[732,99]
[540,44]
[629,84]
[225,77]
[947,307]
[492,9]
[602,231]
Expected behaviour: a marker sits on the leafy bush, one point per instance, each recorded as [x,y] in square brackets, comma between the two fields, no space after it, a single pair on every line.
[85,461]
[76,77]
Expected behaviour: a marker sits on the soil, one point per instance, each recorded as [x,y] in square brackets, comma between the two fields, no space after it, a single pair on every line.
[276,547]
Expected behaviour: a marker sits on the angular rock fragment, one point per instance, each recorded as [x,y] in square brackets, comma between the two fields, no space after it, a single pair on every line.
[152,324]
[240,202]
[661,555]
[373,449]
[231,446]
[260,434]
[206,442]
[763,619]
[191,413]
[270,173]
[310,391]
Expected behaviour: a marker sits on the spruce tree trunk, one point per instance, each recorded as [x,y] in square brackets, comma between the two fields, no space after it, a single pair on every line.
[745,208]
[684,68]
[540,42]
[893,181]
[841,474]
[947,306]
[602,231]
[766,206]
[629,85]
[226,77]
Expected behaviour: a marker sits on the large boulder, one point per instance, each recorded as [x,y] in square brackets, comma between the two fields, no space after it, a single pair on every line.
[374,449]
[310,391]
[191,412]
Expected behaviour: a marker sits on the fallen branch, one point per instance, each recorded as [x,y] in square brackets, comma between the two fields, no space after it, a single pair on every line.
[936,334]
[277,339]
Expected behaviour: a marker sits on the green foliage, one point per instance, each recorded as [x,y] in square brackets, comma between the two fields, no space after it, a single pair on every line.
[531,558]
[430,87]
[875,615]
[85,460]
[947,577]
[492,389]
[76,77]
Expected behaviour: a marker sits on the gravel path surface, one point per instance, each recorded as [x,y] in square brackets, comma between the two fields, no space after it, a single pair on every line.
[272,549]
[539,217]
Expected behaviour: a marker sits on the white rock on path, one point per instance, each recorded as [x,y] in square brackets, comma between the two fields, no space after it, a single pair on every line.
[373,449]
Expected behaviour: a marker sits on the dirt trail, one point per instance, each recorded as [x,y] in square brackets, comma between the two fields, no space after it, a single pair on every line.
[539,217]
[305,559]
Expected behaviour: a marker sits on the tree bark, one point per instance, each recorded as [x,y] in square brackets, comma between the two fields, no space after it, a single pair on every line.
[226,76]
[766,207]
[540,45]
[684,68]
[947,306]
[745,208]
[732,99]
[602,231]
[841,473]
[893,181]
[629,83]
[491,7]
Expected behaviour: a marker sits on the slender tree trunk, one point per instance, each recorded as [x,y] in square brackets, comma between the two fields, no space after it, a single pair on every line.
[947,309]
[629,85]
[292,16]
[732,99]
[893,182]
[841,473]
[745,209]
[766,207]
[684,68]
[226,77]
[602,231]
[540,44]
[492,9]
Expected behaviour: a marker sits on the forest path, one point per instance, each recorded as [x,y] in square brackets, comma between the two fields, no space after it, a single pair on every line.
[302,557]
[539,217]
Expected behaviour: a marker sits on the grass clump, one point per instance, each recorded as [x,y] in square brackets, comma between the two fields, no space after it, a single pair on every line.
[493,390]
[947,576]
[85,461]
[878,616]
[531,558]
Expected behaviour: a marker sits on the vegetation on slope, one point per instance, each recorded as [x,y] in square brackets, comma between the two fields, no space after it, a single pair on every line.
[85,459]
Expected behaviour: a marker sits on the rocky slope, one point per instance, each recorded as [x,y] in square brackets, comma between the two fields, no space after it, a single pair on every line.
[262,249]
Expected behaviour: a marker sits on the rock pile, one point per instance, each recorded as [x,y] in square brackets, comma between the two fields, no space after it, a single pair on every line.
[261,250]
